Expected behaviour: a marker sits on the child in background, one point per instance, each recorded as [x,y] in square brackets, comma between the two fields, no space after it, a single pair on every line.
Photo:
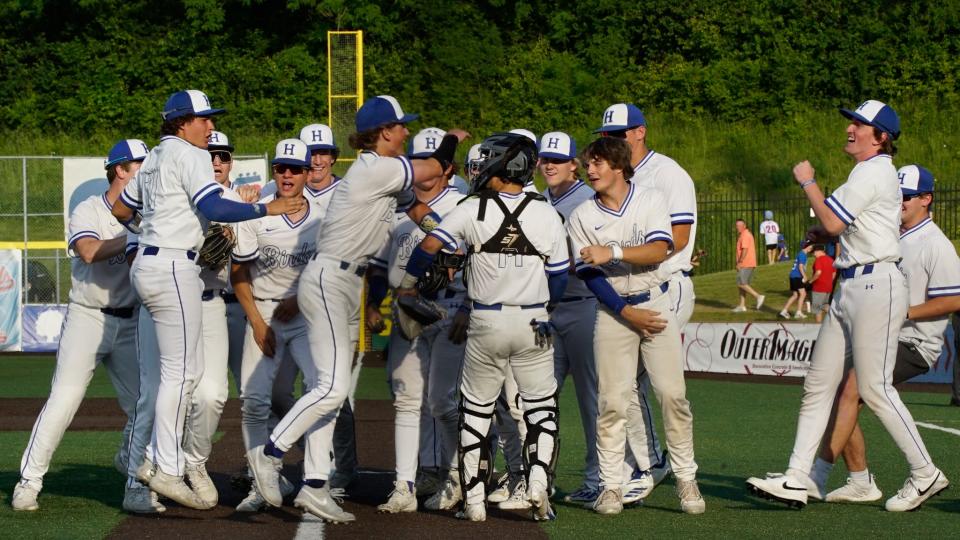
[783,253]
[798,278]
[822,280]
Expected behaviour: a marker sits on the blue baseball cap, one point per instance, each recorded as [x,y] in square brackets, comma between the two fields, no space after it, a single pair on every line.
[557,145]
[620,116]
[425,143]
[187,102]
[380,111]
[915,179]
[318,137]
[218,140]
[126,150]
[292,152]
[877,114]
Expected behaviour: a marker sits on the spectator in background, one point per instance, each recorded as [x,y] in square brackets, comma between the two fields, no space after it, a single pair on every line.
[822,281]
[783,254]
[798,281]
[771,234]
[746,263]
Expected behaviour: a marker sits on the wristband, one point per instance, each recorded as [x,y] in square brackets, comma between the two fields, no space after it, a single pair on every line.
[803,185]
[445,152]
[617,253]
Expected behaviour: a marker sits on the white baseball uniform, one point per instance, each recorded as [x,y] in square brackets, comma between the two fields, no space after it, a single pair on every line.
[277,251]
[173,178]
[643,218]
[575,318]
[770,230]
[508,291]
[932,269]
[99,327]
[423,373]
[354,230]
[865,317]
[660,172]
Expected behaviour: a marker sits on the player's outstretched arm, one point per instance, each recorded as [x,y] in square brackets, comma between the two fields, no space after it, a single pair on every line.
[215,208]
[442,158]
[92,250]
[262,333]
[652,253]
[804,173]
[934,307]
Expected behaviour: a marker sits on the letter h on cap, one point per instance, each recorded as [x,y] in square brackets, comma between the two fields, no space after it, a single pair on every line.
[553,142]
[608,117]
[431,143]
[288,149]
[317,135]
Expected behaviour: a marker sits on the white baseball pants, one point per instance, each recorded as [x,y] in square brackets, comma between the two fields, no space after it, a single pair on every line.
[210,394]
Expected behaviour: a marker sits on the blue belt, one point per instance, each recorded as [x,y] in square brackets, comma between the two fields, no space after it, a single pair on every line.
[359,270]
[686,274]
[640,298]
[122,312]
[210,294]
[575,299]
[850,273]
[153,250]
[229,297]
[498,307]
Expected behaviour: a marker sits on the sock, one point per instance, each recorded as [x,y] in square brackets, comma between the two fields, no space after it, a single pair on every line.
[821,472]
[270,450]
[410,486]
[861,477]
[315,483]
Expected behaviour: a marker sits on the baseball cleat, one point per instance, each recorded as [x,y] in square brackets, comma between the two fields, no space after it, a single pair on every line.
[266,475]
[760,300]
[583,495]
[782,488]
[322,503]
[609,502]
[915,492]
[403,498]
[175,489]
[429,481]
[540,501]
[446,498]
[502,491]
[518,497]
[473,512]
[641,483]
[139,499]
[691,502]
[146,471]
[856,492]
[814,491]
[253,502]
[201,483]
[25,498]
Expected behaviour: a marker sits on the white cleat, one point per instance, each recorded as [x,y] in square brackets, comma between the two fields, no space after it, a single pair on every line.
[691,502]
[641,483]
[25,498]
[473,512]
[915,492]
[856,492]
[609,502]
[322,503]
[202,484]
[780,487]
[446,498]
[502,491]
[141,500]
[402,499]
[266,475]
[518,497]
[175,489]
[253,502]
[540,501]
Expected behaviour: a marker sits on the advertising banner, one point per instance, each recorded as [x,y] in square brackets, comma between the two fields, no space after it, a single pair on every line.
[10,298]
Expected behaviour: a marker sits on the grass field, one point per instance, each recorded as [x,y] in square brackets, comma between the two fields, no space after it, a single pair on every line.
[741,429]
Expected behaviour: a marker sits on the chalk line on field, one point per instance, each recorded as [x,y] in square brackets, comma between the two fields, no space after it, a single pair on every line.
[939,428]
[310,528]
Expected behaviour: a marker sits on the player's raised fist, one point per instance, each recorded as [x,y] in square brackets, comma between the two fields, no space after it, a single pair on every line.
[286,205]
[803,171]
[459,133]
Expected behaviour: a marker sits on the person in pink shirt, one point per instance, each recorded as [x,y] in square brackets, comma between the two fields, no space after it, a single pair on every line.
[746,263]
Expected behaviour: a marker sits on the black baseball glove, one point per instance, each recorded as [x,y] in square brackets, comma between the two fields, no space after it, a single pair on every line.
[217,245]
[437,276]
[416,312]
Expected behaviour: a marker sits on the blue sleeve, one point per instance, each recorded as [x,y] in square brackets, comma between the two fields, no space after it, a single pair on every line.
[599,286]
[216,208]
[378,289]
[419,261]
[557,283]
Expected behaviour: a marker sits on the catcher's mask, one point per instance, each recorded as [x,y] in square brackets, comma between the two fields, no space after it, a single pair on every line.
[508,156]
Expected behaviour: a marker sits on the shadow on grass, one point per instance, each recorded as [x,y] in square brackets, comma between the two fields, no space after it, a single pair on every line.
[92,482]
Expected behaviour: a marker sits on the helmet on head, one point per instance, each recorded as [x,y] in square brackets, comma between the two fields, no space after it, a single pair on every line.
[508,156]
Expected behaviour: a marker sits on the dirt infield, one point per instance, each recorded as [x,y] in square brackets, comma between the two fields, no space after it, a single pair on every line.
[375,453]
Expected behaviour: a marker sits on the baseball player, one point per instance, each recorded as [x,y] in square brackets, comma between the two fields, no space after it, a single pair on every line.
[269,256]
[575,316]
[507,277]
[423,372]
[652,169]
[932,269]
[770,230]
[100,326]
[353,231]
[621,239]
[176,193]
[866,314]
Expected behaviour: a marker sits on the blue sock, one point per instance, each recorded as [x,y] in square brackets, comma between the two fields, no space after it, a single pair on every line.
[270,450]
[315,483]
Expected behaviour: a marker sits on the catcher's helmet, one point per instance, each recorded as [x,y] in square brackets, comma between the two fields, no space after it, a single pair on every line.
[509,156]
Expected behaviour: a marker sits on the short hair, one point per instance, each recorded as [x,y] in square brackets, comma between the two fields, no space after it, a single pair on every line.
[616,152]
[741,220]
[112,170]
[886,144]
[173,125]
[367,140]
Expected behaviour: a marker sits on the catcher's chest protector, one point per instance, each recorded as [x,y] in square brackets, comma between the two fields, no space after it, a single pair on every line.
[509,239]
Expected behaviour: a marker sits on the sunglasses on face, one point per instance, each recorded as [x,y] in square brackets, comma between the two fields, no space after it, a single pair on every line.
[225,157]
[619,134]
[283,168]
[912,197]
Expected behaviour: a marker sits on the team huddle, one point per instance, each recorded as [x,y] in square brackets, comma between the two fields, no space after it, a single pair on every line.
[180,278]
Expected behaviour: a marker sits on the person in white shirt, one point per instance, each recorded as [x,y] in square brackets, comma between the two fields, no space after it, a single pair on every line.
[770,230]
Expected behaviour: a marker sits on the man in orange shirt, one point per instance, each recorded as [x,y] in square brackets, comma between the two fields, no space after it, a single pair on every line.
[746,262]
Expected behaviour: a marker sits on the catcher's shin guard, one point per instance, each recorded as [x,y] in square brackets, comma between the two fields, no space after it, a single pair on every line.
[542,443]
[474,454]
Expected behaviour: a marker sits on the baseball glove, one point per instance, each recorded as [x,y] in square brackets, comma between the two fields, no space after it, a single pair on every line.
[437,276]
[416,312]
[217,245]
